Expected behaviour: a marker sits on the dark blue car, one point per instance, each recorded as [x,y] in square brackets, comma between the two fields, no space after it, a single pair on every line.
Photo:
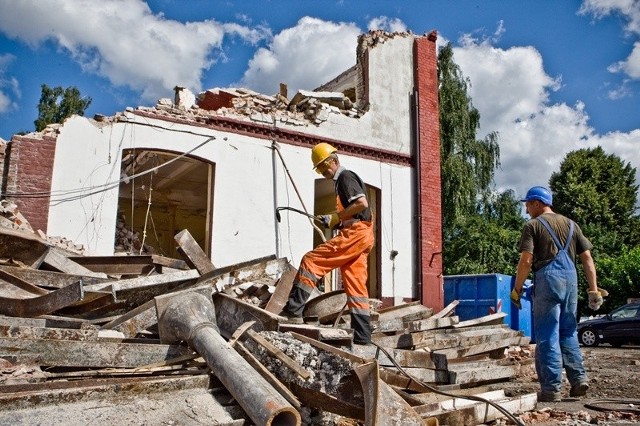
[619,327]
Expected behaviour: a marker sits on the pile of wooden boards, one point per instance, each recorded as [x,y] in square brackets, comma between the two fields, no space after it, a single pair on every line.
[75,323]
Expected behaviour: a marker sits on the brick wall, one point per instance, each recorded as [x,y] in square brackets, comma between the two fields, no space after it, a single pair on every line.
[30,168]
[430,208]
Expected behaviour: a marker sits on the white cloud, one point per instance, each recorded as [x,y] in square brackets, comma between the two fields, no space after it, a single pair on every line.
[123,41]
[510,88]
[309,54]
[631,65]
[387,24]
[630,10]
[9,86]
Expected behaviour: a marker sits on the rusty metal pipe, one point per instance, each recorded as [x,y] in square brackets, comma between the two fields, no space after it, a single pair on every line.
[190,316]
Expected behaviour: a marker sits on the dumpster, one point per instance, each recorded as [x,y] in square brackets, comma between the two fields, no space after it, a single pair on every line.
[486,294]
[479,295]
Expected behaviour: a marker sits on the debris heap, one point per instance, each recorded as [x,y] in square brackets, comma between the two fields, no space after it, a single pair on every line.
[81,339]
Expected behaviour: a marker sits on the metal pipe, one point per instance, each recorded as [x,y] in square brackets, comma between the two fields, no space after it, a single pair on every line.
[190,316]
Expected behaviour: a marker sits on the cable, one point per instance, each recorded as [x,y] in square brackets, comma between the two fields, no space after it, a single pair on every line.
[98,188]
[431,388]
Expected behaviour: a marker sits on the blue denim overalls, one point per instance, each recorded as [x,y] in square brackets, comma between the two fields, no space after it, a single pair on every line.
[555,303]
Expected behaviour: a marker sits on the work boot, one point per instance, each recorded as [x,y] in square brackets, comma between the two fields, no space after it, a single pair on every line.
[579,389]
[549,396]
[295,305]
[361,325]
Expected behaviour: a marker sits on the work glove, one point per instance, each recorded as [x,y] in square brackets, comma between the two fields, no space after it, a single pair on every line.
[329,220]
[515,298]
[596,298]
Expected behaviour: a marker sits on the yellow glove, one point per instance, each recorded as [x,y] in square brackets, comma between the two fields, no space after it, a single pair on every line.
[329,220]
[596,298]
[515,298]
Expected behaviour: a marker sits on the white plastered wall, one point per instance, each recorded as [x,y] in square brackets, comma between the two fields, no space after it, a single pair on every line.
[250,179]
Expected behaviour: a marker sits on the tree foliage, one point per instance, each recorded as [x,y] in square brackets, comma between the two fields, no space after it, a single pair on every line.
[467,164]
[56,104]
[598,191]
[486,242]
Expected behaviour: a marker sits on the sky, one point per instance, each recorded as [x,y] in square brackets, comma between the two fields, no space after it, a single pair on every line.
[549,76]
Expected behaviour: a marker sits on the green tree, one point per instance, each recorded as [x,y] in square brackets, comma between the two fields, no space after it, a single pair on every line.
[598,191]
[56,104]
[487,242]
[480,229]
[467,164]
[620,275]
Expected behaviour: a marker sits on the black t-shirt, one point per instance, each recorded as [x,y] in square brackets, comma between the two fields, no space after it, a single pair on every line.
[537,240]
[350,187]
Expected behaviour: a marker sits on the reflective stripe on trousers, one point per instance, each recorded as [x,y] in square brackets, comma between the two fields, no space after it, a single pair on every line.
[555,303]
[348,250]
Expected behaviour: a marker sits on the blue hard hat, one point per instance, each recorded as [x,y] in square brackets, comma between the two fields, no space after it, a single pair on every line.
[539,193]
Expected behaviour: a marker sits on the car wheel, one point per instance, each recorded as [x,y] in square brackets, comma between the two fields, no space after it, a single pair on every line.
[589,337]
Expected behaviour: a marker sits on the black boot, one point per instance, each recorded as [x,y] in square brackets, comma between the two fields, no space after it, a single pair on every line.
[361,325]
[295,305]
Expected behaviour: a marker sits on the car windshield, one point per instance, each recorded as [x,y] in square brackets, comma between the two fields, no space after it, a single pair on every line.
[625,312]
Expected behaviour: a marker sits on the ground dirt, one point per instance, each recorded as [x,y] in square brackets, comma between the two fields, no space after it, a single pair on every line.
[614,374]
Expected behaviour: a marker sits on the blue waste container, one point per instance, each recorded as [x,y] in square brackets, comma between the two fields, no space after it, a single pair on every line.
[479,295]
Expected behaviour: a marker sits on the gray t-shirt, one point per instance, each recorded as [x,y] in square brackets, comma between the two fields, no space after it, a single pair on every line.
[537,240]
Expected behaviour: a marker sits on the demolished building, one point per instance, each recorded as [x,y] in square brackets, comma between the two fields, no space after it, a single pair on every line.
[221,162]
[159,301]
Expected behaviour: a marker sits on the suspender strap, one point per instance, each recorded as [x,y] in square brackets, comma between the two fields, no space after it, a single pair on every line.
[555,237]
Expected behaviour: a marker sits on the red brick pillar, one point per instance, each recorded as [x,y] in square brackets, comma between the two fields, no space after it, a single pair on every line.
[428,168]
[30,170]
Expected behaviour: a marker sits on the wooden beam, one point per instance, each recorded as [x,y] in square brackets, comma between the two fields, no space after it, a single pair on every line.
[46,304]
[60,262]
[193,253]
[49,279]
[102,354]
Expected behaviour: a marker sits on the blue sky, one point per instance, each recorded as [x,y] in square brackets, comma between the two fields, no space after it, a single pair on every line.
[550,76]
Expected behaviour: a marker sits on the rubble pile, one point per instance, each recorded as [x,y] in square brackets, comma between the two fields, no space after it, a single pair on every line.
[80,330]
[306,107]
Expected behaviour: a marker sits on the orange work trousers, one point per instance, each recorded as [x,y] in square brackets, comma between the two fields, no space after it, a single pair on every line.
[348,250]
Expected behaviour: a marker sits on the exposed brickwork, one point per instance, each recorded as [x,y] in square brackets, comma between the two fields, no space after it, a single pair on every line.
[430,208]
[212,101]
[30,171]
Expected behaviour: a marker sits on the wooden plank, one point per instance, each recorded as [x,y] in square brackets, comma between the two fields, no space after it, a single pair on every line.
[49,279]
[26,332]
[143,282]
[480,413]
[25,247]
[426,375]
[432,323]
[193,253]
[448,310]
[102,354]
[482,375]
[403,357]
[413,310]
[56,259]
[168,262]
[281,295]
[231,313]
[21,284]
[483,347]
[135,321]
[40,305]
[337,336]
[116,265]
[497,318]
